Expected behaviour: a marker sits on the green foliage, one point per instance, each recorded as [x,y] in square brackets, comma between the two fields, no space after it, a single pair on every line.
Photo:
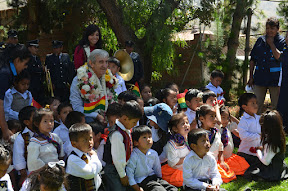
[156,76]
[283,12]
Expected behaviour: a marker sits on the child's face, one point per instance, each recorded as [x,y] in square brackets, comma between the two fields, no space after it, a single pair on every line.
[209,120]
[96,139]
[113,67]
[175,88]
[202,146]
[171,99]
[84,143]
[22,86]
[183,127]
[64,112]
[112,120]
[146,93]
[144,142]
[225,119]
[4,167]
[210,101]
[54,105]
[194,103]
[29,123]
[251,108]
[128,123]
[216,81]
[46,125]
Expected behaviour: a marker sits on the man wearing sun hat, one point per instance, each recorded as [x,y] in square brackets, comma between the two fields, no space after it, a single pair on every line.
[159,116]
[61,69]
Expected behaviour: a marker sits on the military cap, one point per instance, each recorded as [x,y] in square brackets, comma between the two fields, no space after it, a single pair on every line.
[33,43]
[57,44]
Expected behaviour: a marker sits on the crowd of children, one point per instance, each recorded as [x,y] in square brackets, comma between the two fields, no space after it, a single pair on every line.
[145,143]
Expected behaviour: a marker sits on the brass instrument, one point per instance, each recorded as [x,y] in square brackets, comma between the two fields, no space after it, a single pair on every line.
[49,81]
[126,63]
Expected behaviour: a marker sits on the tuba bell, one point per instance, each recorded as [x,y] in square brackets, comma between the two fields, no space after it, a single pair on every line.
[126,63]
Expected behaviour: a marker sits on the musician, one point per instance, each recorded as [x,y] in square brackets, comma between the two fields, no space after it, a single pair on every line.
[138,68]
[61,69]
[36,72]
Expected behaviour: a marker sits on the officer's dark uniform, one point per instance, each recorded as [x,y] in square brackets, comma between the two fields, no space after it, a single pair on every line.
[36,72]
[62,72]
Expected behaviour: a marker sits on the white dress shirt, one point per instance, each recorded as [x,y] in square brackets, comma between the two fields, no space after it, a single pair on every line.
[42,152]
[266,155]
[118,151]
[217,90]
[8,99]
[79,168]
[19,160]
[100,152]
[141,165]
[63,132]
[6,178]
[175,153]
[216,146]
[195,168]
[190,114]
[121,85]
[228,150]
[250,133]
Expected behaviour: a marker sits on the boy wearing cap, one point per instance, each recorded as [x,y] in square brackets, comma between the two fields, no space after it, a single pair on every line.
[61,69]
[114,66]
[36,72]
[159,115]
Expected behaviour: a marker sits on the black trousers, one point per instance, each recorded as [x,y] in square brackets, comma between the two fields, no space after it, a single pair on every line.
[154,183]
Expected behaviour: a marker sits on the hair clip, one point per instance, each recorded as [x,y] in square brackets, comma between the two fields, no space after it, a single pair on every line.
[47,106]
[53,164]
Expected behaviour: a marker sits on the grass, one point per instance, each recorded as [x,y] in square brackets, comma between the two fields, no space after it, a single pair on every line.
[241,183]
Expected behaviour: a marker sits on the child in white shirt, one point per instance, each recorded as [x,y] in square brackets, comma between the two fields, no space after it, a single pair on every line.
[200,167]
[193,100]
[114,66]
[83,166]
[215,81]
[143,168]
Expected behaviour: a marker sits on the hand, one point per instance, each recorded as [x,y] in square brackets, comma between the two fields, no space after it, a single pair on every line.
[92,152]
[124,181]
[210,188]
[224,166]
[100,118]
[136,187]
[259,148]
[6,134]
[250,82]
[270,40]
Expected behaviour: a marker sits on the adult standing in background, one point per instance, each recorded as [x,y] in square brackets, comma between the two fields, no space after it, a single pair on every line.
[90,41]
[268,70]
[13,59]
[12,37]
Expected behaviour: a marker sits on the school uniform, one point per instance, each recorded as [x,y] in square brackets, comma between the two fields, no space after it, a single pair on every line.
[5,183]
[217,90]
[36,72]
[117,152]
[172,172]
[250,134]
[63,132]
[196,170]
[145,170]
[191,115]
[14,101]
[62,72]
[121,85]
[270,167]
[20,149]
[83,171]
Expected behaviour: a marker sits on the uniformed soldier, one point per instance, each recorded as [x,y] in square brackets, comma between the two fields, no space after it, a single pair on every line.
[61,69]
[36,71]
[12,37]
[138,68]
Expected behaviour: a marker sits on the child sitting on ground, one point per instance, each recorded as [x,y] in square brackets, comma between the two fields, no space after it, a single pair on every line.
[159,116]
[44,146]
[118,147]
[232,165]
[143,168]
[176,149]
[271,153]
[53,104]
[83,166]
[193,101]
[50,177]
[22,141]
[18,96]
[215,82]
[200,167]
[249,127]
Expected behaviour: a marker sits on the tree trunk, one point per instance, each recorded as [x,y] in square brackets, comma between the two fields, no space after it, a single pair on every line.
[233,43]
[247,46]
[32,27]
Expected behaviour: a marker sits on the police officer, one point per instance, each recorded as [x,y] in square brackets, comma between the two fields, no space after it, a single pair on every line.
[267,69]
[61,69]
[138,68]
[12,37]
[36,72]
